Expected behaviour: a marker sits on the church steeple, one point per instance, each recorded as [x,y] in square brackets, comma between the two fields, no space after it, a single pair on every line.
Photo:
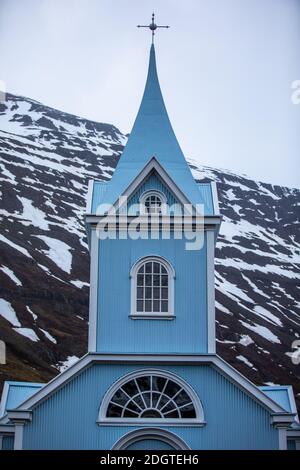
[152,136]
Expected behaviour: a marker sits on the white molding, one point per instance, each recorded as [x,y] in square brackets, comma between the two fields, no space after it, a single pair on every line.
[282,445]
[4,398]
[215,198]
[150,433]
[210,289]
[199,420]
[209,221]
[7,430]
[191,359]
[293,402]
[89,200]
[17,416]
[171,291]
[93,307]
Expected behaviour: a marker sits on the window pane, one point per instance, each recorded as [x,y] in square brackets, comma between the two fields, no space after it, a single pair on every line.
[130,388]
[148,307]
[139,306]
[164,293]
[156,292]
[164,306]
[120,398]
[172,414]
[149,267]
[140,293]
[188,411]
[163,269]
[172,388]
[158,383]
[148,292]
[114,411]
[140,279]
[182,398]
[141,270]
[156,280]
[130,414]
[133,407]
[148,280]
[143,383]
[147,398]
[156,304]
[156,267]
[164,280]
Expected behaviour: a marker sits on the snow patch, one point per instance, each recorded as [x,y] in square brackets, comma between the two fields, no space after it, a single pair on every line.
[7,312]
[11,275]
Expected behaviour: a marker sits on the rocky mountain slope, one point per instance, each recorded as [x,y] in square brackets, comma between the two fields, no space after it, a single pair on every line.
[46,160]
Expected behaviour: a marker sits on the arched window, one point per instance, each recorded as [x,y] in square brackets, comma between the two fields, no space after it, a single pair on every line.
[151,396]
[153,202]
[152,288]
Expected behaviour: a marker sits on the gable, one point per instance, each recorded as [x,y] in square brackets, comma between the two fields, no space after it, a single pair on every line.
[152,183]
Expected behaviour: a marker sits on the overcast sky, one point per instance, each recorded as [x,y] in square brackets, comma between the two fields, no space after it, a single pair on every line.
[226,69]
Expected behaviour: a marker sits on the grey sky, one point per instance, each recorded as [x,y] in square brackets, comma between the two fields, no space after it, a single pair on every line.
[226,68]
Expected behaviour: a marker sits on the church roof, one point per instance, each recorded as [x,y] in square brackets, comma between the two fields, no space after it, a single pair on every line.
[152,136]
[14,393]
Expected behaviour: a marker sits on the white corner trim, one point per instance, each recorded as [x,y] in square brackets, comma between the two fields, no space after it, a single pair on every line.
[89,199]
[199,420]
[4,398]
[282,439]
[210,289]
[93,307]
[18,441]
[215,198]
[150,433]
[171,293]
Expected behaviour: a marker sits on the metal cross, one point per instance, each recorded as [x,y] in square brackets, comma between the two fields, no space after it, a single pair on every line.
[152,26]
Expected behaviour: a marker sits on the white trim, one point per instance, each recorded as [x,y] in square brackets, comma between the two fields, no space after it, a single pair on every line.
[154,164]
[151,433]
[199,420]
[194,359]
[89,199]
[93,308]
[293,402]
[210,289]
[18,441]
[7,429]
[282,439]
[171,276]
[215,198]
[4,398]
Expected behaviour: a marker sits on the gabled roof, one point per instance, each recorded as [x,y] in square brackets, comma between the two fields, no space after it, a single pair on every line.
[152,136]
[14,393]
[228,371]
[283,395]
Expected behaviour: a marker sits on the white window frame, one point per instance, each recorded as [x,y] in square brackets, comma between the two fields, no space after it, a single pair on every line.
[170,314]
[152,192]
[198,421]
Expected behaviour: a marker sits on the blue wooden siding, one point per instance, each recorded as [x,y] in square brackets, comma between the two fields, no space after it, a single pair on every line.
[291,444]
[68,418]
[118,333]
[7,443]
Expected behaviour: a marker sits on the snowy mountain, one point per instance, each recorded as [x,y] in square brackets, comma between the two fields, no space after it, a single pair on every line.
[46,160]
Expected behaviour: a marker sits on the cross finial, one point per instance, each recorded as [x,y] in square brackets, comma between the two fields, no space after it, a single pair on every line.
[152,26]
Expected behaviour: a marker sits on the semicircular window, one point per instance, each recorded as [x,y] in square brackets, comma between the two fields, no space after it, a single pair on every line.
[151,397]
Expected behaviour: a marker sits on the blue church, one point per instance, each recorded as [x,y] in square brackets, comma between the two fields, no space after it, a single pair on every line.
[151,378]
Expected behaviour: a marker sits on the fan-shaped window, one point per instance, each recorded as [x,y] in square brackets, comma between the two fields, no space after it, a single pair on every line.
[151,397]
[152,288]
[153,202]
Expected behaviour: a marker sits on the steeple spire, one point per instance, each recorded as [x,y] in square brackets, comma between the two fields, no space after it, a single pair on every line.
[152,26]
[152,136]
